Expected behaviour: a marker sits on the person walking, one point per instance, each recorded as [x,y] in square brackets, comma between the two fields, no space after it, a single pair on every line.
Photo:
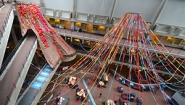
[100,96]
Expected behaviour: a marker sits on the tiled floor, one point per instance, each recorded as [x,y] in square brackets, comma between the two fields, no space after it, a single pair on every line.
[148,97]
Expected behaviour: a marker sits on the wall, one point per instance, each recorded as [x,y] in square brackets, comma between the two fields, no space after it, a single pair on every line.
[173,13]
[66,5]
[32,1]
[179,98]
[147,8]
[98,7]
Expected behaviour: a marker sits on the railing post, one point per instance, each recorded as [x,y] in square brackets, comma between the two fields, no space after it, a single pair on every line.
[5,22]
[14,85]
[19,74]
[3,28]
[23,65]
[8,98]
[7,19]
[1,34]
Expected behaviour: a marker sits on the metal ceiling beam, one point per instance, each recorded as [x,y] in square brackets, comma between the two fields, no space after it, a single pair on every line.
[158,13]
[74,8]
[112,11]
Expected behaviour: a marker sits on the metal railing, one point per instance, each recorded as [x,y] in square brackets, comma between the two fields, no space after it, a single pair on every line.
[5,21]
[31,80]
[5,64]
[7,99]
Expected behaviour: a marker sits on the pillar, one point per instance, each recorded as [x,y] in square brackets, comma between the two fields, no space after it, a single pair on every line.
[158,13]
[107,30]
[72,26]
[112,11]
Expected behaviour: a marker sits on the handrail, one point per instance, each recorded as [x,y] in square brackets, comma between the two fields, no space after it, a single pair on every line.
[5,21]
[5,64]
[18,76]
[31,80]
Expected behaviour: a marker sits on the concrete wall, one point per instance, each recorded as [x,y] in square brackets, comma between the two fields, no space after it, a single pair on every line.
[147,8]
[65,5]
[179,98]
[173,13]
[97,7]
[5,37]
[31,1]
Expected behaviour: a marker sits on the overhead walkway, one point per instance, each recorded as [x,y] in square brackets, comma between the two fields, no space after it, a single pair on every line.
[6,21]
[33,93]
[94,37]
[14,72]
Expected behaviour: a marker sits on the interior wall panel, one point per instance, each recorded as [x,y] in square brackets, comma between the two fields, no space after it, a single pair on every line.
[66,5]
[32,1]
[173,13]
[147,8]
[97,7]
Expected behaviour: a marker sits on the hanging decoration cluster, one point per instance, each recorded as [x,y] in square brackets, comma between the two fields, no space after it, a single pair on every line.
[31,18]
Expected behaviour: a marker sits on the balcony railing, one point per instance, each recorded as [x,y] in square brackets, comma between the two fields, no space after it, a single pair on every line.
[4,20]
[9,93]
[5,64]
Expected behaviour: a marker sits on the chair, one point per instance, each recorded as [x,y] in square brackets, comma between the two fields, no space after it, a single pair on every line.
[139,101]
[122,81]
[74,86]
[172,102]
[124,96]
[143,87]
[66,80]
[133,94]
[77,90]
[85,91]
[115,102]
[77,97]
[151,87]
[122,101]
[120,89]
[82,98]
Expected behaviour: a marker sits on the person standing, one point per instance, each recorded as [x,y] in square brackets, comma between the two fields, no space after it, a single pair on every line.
[100,95]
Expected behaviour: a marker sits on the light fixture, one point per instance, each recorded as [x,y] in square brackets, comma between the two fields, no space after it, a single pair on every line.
[57,21]
[101,28]
[78,24]
[77,40]
[170,39]
[48,19]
